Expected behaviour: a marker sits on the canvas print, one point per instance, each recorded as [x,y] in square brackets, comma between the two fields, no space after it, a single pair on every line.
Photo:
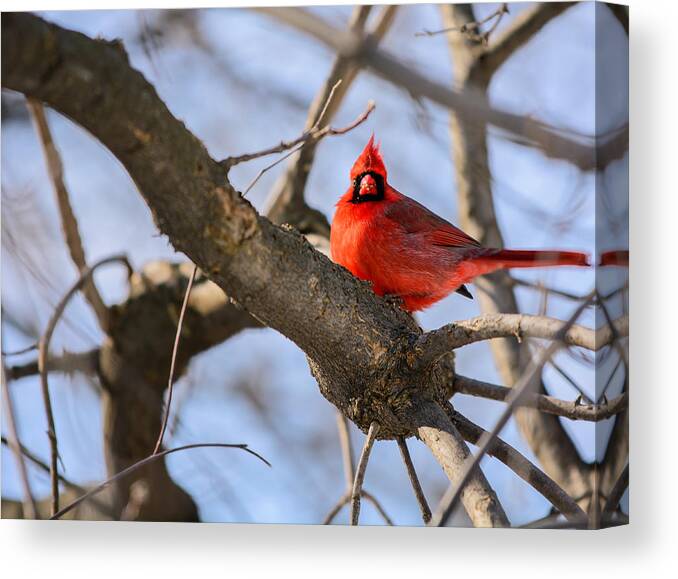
[351,265]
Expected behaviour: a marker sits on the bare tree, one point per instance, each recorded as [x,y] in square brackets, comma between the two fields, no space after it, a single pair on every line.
[370,359]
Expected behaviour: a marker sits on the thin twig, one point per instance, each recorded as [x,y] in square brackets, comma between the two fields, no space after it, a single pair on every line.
[347,459]
[572,410]
[144,462]
[284,145]
[449,501]
[360,472]
[471,29]
[346,498]
[69,223]
[30,509]
[540,287]
[43,350]
[314,135]
[346,448]
[416,485]
[170,382]
[21,351]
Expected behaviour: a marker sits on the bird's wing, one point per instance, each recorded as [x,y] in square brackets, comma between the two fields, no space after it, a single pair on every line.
[414,218]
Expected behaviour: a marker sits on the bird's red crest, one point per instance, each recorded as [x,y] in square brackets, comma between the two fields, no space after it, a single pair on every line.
[369,160]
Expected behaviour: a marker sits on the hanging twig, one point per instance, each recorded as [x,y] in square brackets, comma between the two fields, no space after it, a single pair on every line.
[347,459]
[416,486]
[170,382]
[360,472]
[43,350]
[149,459]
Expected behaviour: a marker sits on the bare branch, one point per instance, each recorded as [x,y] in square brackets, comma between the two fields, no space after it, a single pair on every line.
[360,473]
[472,29]
[314,135]
[286,202]
[170,381]
[489,326]
[414,479]
[69,223]
[66,363]
[521,30]
[522,467]
[553,142]
[347,458]
[438,432]
[144,462]
[571,410]
[29,507]
[616,493]
[43,348]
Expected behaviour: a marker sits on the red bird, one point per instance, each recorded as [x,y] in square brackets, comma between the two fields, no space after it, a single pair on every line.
[405,250]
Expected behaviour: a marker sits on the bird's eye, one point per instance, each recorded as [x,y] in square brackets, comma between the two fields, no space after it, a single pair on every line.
[355,182]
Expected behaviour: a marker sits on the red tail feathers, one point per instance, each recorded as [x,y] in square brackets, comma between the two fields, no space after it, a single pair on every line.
[527,258]
[489,260]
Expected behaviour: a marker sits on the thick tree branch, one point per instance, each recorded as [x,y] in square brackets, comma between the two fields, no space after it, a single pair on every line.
[442,437]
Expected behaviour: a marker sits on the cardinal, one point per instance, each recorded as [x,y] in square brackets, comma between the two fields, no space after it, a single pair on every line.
[405,250]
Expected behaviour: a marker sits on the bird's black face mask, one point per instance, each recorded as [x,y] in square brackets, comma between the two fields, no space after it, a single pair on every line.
[368,186]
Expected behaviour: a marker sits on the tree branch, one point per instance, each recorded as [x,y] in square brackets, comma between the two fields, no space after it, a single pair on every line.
[69,223]
[522,467]
[359,346]
[30,509]
[489,326]
[447,445]
[66,363]
[360,473]
[520,31]
[43,351]
[473,106]
[286,202]
[414,480]
[144,462]
[542,402]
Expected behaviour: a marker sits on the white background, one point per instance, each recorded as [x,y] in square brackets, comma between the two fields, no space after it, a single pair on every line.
[647,546]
